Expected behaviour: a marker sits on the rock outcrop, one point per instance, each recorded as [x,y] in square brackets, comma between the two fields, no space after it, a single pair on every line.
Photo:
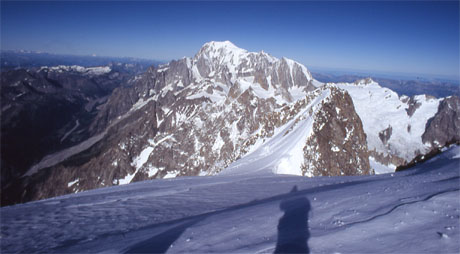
[338,145]
[444,127]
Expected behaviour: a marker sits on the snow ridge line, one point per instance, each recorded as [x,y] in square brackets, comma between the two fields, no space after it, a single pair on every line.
[403,204]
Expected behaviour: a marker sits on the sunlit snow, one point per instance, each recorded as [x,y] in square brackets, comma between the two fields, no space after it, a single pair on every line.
[380,108]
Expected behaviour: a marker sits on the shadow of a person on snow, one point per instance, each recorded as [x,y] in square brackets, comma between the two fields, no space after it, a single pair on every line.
[293,231]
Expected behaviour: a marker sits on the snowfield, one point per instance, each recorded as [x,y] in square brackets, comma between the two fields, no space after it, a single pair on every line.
[415,211]
[380,108]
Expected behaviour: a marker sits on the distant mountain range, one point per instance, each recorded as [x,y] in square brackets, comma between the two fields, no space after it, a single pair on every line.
[11,59]
[403,86]
[223,111]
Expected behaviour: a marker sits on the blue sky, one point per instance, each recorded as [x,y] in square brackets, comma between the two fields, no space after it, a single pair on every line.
[405,37]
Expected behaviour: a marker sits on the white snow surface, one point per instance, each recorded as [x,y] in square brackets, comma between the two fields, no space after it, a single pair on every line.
[380,108]
[72,182]
[379,168]
[414,211]
[140,160]
[137,162]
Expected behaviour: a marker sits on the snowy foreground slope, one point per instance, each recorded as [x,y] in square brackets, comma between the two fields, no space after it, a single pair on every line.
[406,212]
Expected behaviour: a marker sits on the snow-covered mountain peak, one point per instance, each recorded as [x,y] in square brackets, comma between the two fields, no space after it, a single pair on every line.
[221,45]
[98,70]
[238,60]
[225,64]
[224,51]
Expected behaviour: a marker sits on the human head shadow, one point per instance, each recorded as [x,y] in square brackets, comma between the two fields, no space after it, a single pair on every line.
[293,230]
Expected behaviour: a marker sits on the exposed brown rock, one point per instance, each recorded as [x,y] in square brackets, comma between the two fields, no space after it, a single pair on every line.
[413,106]
[385,135]
[338,145]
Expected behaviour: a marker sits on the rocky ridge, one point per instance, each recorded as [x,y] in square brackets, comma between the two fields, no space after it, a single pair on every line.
[227,106]
[194,116]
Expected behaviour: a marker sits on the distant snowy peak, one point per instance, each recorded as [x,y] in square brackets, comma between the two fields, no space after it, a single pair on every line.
[215,49]
[99,70]
[394,124]
[220,70]
[224,52]
[365,82]
[215,57]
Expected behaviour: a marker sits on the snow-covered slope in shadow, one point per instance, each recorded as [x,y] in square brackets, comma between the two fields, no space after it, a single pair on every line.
[412,211]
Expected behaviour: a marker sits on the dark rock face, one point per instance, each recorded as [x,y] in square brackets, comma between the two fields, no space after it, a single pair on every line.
[444,127]
[338,145]
[385,135]
[49,109]
[413,105]
[95,167]
[143,87]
